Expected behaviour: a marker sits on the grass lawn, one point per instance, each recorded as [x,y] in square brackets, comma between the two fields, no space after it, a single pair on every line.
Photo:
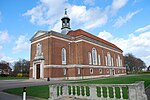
[120,80]
[43,91]
[12,78]
[36,91]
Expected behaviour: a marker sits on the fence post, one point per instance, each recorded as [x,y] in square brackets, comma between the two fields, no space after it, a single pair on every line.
[132,92]
[65,90]
[93,92]
[53,92]
[141,91]
[24,93]
[137,91]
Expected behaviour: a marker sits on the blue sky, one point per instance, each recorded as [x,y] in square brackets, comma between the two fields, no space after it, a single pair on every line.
[125,23]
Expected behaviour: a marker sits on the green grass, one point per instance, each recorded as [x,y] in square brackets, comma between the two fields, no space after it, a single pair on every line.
[120,80]
[43,91]
[36,91]
[12,78]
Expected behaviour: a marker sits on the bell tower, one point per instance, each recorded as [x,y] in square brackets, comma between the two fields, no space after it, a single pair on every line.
[65,23]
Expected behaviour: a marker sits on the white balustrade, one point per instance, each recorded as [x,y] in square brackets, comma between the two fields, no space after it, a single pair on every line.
[121,93]
[135,91]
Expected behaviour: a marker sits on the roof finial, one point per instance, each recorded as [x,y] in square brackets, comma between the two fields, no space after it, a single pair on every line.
[65,11]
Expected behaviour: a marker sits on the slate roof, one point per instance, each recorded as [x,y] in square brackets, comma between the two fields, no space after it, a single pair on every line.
[81,32]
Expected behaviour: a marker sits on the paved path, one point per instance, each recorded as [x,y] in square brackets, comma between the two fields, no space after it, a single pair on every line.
[6,96]
[147,91]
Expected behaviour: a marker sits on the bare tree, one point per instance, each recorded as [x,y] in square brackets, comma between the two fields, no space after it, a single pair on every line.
[21,66]
[132,63]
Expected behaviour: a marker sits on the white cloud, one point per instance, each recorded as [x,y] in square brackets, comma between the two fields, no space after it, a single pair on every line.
[22,43]
[6,58]
[89,2]
[117,4]
[143,29]
[49,12]
[4,36]
[105,35]
[122,20]
[138,45]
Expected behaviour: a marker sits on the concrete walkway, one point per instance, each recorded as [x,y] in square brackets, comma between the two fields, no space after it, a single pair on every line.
[147,91]
[7,96]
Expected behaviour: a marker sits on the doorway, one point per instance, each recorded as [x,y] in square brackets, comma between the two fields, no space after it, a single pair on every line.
[38,71]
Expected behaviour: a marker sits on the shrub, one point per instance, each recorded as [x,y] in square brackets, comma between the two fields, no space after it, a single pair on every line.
[19,75]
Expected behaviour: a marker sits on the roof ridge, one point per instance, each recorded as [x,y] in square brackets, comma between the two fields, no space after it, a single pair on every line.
[83,32]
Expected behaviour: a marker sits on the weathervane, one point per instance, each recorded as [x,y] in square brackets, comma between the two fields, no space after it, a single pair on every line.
[65,11]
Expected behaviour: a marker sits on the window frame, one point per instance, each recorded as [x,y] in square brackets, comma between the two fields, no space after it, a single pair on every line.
[99,59]
[91,70]
[94,56]
[90,58]
[63,55]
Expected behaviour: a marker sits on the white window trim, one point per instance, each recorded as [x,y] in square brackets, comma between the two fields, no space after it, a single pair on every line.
[79,71]
[63,54]
[99,59]
[91,70]
[112,60]
[90,58]
[100,71]
[108,59]
[94,59]
[65,71]
[119,62]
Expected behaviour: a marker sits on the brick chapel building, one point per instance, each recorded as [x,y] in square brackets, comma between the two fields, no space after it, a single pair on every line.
[73,55]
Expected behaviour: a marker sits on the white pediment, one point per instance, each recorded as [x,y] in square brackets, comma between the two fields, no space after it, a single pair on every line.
[37,34]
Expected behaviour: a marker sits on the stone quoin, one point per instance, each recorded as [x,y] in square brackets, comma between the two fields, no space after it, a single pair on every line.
[73,54]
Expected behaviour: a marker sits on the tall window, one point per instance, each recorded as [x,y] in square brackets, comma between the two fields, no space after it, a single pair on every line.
[99,59]
[65,71]
[94,56]
[119,61]
[78,71]
[108,59]
[63,55]
[112,62]
[90,59]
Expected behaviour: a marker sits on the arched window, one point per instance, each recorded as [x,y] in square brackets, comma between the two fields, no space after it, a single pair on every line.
[119,64]
[63,53]
[99,59]
[94,56]
[89,56]
[108,59]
